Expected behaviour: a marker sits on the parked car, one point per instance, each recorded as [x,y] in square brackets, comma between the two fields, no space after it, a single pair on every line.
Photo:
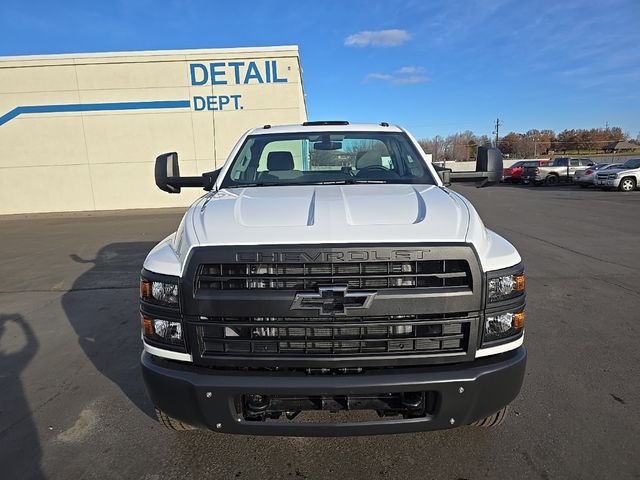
[513,173]
[625,178]
[510,174]
[586,178]
[562,169]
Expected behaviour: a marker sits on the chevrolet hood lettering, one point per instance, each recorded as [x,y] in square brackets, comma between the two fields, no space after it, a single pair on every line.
[331,257]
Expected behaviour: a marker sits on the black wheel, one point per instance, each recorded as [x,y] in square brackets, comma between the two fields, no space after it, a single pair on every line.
[551,180]
[492,420]
[582,185]
[171,423]
[627,184]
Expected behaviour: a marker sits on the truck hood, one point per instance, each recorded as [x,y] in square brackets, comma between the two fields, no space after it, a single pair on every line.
[619,170]
[329,214]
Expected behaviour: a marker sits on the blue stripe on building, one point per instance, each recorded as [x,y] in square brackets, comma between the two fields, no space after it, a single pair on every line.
[93,107]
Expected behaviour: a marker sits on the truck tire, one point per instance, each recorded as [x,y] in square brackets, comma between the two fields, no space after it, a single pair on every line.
[492,420]
[627,184]
[551,180]
[171,423]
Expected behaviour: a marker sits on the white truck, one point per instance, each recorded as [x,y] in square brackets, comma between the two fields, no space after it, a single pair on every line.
[328,269]
[625,177]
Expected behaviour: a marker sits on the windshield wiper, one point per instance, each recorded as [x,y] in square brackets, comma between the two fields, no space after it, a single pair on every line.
[288,184]
[263,184]
[350,181]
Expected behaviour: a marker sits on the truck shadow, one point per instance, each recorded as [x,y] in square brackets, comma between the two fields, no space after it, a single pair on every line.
[21,451]
[102,308]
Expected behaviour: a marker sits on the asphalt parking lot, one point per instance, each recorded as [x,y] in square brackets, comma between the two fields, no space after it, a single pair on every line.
[72,402]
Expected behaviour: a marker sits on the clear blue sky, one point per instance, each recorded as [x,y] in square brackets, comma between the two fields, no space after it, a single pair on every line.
[435,67]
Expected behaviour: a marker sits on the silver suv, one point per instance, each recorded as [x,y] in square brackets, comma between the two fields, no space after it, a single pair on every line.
[625,178]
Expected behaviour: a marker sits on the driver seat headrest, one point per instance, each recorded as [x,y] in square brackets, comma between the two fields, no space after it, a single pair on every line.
[278,161]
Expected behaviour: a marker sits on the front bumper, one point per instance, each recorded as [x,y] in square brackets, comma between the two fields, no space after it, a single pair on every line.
[206,398]
[531,178]
[583,180]
[607,182]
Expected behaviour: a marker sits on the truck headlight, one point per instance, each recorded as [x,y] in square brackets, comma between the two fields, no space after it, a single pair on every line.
[504,287]
[160,314]
[160,330]
[501,325]
[164,293]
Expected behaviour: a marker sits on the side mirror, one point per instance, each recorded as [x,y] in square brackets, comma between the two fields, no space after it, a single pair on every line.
[488,168]
[489,162]
[166,171]
[445,176]
[168,179]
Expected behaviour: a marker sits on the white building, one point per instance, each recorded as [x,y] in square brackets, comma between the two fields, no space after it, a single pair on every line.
[81,132]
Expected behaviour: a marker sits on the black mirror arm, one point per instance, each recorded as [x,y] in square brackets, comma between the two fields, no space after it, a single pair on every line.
[209,180]
[185,181]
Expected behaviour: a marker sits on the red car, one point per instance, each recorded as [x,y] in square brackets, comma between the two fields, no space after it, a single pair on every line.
[513,173]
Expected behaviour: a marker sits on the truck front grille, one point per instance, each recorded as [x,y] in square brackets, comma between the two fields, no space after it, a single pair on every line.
[605,176]
[355,275]
[396,334]
[294,306]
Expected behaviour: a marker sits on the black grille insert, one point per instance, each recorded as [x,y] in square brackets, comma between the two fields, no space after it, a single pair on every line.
[356,275]
[399,334]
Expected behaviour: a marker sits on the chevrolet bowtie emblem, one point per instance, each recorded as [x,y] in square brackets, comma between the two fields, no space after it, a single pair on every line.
[332,300]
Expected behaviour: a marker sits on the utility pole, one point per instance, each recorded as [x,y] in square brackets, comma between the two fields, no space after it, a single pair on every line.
[496,130]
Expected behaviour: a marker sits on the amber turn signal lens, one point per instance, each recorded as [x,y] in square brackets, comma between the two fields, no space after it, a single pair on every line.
[518,321]
[147,326]
[520,282]
[145,289]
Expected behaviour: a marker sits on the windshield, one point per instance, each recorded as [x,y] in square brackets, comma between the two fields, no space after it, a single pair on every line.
[635,163]
[327,158]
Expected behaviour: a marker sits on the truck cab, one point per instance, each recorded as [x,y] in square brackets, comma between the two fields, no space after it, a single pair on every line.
[328,269]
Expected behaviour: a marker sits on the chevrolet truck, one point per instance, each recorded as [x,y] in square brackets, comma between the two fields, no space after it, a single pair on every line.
[328,283]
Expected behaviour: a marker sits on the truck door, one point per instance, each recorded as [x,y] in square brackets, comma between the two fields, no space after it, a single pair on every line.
[574,164]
